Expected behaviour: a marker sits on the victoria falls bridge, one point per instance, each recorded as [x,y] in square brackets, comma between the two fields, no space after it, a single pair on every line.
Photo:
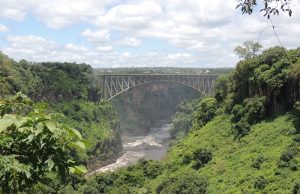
[113,85]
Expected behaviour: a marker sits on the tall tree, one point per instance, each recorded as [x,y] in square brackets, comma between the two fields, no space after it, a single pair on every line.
[248,50]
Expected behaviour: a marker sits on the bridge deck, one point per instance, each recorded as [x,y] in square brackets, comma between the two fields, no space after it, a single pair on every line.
[114,84]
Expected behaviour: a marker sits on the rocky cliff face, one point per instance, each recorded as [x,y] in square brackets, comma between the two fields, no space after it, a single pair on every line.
[105,153]
[147,105]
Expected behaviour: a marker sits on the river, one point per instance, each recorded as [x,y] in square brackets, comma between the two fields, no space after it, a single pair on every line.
[152,146]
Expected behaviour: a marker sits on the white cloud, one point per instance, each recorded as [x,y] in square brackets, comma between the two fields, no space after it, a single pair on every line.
[130,41]
[104,48]
[130,16]
[200,33]
[33,48]
[97,35]
[3,28]
[54,13]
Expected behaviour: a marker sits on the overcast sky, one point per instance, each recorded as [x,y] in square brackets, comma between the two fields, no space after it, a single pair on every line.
[119,33]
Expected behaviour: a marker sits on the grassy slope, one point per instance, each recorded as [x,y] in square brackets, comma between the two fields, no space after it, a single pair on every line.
[230,171]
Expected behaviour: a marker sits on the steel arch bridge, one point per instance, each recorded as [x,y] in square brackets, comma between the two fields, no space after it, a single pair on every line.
[113,85]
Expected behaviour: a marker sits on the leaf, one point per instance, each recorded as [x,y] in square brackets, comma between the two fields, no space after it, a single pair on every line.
[71,161]
[50,164]
[30,137]
[6,122]
[74,132]
[81,144]
[80,169]
[28,174]
[72,170]
[51,125]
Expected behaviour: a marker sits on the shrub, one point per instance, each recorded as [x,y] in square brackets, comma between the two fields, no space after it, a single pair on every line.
[185,183]
[260,183]
[187,158]
[254,109]
[296,189]
[201,157]
[287,159]
[242,128]
[237,113]
[150,168]
[104,181]
[287,155]
[256,163]
[205,111]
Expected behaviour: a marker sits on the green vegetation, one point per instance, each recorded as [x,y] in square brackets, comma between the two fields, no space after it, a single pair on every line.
[183,119]
[37,147]
[34,144]
[49,82]
[98,125]
[245,139]
[248,50]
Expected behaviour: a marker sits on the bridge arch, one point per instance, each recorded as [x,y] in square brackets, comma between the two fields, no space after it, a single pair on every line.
[157,81]
[114,85]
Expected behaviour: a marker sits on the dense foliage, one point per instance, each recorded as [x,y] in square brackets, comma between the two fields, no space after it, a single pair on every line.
[32,144]
[49,82]
[205,112]
[231,143]
[273,75]
[243,140]
[98,124]
[66,88]
[183,119]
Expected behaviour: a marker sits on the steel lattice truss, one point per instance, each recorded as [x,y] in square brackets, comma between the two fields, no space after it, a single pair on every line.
[113,85]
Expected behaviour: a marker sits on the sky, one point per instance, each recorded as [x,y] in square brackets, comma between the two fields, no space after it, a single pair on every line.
[137,33]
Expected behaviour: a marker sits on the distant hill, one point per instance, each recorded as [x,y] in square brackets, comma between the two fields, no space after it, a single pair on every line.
[162,70]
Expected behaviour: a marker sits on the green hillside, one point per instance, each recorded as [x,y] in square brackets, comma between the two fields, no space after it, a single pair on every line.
[237,166]
[245,139]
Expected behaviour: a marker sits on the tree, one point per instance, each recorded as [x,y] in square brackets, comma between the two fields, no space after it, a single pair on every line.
[205,112]
[33,144]
[269,7]
[248,50]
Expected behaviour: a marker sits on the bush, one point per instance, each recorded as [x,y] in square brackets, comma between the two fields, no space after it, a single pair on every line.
[201,157]
[104,181]
[260,183]
[237,113]
[287,155]
[241,129]
[296,189]
[150,168]
[254,109]
[185,183]
[287,159]
[205,111]
[256,163]
[187,158]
